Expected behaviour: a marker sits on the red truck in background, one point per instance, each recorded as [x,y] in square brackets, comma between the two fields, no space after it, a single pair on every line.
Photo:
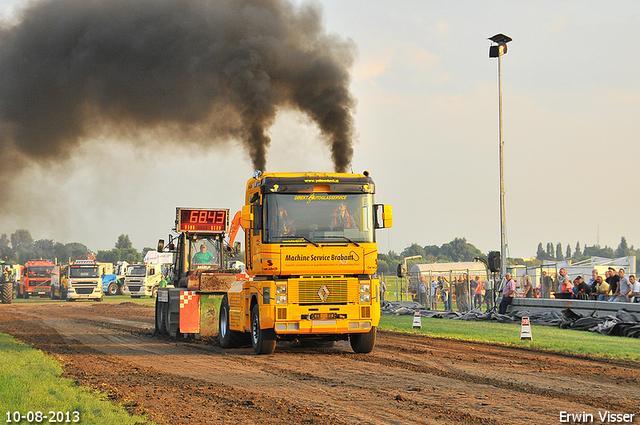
[36,278]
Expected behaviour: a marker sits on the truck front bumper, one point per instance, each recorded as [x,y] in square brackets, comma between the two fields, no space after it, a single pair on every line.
[137,290]
[302,320]
[84,293]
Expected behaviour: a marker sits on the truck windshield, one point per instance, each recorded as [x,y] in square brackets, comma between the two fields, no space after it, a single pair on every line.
[139,270]
[39,271]
[318,218]
[83,271]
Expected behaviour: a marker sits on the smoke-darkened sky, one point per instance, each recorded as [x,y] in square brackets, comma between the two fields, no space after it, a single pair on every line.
[426,124]
[188,70]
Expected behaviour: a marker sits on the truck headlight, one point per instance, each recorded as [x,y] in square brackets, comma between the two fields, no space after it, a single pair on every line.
[365,288]
[281,299]
[365,298]
[281,290]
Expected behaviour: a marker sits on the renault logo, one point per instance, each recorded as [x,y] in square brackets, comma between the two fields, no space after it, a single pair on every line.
[323,293]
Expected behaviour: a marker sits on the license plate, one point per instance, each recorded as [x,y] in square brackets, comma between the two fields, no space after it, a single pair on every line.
[322,316]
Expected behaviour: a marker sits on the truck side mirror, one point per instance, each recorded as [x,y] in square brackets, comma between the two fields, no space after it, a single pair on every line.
[160,245]
[247,217]
[387,216]
[383,216]
[257,218]
[252,218]
[236,247]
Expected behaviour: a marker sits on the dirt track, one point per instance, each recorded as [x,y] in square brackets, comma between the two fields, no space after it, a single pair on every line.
[405,380]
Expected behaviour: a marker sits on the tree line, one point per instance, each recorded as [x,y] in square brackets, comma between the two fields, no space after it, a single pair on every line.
[20,247]
[455,251]
[555,252]
[460,250]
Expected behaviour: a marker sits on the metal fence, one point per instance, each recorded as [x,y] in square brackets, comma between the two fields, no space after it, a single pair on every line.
[418,287]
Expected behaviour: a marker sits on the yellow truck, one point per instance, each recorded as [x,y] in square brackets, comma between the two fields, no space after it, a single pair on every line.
[311,246]
[310,255]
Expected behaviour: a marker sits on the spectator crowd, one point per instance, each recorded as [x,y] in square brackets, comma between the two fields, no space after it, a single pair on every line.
[615,286]
[472,293]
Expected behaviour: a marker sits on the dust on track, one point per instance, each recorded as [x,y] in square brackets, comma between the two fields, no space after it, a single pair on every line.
[406,379]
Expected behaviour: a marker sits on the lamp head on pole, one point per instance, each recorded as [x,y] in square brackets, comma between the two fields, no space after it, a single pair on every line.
[500,48]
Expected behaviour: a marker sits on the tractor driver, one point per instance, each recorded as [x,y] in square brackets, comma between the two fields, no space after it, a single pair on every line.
[202,257]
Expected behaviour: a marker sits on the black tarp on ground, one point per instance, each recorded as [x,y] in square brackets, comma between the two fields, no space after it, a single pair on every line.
[624,323]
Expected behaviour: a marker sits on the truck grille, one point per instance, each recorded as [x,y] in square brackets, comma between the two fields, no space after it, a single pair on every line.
[84,288]
[134,288]
[336,291]
[84,291]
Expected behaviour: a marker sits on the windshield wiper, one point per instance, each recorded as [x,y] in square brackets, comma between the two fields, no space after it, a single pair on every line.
[344,237]
[301,237]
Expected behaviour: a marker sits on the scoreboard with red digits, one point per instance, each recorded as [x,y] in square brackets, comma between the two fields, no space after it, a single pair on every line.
[202,220]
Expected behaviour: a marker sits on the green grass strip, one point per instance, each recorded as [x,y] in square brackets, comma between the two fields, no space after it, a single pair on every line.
[108,299]
[544,337]
[31,381]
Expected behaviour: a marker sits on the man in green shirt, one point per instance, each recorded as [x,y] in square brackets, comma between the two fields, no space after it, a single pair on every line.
[202,257]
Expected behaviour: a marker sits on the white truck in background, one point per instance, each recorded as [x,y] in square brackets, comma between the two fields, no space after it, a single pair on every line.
[80,280]
[144,279]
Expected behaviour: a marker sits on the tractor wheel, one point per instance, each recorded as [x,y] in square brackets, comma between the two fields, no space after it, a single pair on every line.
[112,289]
[167,317]
[224,333]
[161,326]
[262,340]
[363,343]
[7,292]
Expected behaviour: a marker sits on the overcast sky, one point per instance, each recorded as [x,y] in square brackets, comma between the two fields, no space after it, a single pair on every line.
[427,124]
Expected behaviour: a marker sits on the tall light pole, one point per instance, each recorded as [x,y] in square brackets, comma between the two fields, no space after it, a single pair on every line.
[496,51]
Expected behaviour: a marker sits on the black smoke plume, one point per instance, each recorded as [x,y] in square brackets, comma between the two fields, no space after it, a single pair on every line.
[200,71]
